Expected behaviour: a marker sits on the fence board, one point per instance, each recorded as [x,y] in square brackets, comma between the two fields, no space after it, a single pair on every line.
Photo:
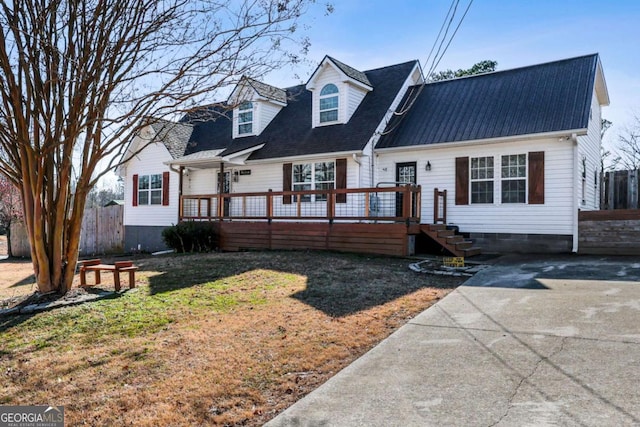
[102,232]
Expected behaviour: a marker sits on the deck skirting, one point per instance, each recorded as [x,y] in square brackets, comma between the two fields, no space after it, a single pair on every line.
[382,239]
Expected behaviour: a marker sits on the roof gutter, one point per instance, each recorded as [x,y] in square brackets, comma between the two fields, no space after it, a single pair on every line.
[306,156]
[515,138]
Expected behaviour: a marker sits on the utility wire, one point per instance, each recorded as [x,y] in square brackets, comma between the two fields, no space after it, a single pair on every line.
[411,99]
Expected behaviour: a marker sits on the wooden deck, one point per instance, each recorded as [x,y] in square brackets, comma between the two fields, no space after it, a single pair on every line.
[363,220]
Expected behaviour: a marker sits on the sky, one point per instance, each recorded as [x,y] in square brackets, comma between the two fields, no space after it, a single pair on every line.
[367,34]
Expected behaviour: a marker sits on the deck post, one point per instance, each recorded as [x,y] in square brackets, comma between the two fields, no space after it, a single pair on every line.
[331,206]
[270,205]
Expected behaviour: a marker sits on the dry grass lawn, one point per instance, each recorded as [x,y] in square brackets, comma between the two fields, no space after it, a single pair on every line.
[213,339]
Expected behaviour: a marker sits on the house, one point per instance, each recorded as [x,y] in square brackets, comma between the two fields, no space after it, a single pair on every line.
[509,158]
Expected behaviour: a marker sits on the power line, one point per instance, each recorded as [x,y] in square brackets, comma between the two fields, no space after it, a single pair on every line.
[411,99]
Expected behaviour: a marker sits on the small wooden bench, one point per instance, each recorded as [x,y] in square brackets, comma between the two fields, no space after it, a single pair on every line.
[117,268]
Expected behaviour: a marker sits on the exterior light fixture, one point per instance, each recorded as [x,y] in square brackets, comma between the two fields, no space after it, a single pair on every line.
[428,166]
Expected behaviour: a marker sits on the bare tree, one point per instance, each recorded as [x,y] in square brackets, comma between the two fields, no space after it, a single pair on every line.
[628,147]
[10,207]
[77,76]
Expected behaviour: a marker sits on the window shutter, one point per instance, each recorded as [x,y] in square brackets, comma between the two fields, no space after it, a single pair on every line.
[462,180]
[135,190]
[536,178]
[287,170]
[165,188]
[341,179]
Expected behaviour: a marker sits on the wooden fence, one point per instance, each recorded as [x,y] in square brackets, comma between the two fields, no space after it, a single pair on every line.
[102,232]
[620,190]
[610,232]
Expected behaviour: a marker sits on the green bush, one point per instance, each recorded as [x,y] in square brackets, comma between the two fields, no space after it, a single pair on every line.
[191,236]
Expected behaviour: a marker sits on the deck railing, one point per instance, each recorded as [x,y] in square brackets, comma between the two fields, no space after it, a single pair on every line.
[394,204]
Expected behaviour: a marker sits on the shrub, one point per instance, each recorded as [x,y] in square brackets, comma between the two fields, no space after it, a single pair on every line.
[191,236]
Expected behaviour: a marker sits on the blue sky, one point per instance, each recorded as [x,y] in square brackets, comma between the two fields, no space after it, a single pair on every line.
[372,33]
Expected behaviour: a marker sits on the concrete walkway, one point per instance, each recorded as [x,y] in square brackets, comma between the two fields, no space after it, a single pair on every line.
[528,342]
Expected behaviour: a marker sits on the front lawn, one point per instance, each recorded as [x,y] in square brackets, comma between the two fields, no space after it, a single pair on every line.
[214,339]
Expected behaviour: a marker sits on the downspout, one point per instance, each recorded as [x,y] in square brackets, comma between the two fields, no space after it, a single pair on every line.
[359,163]
[180,173]
[575,186]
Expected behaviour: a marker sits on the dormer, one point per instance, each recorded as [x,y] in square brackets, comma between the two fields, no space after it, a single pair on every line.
[337,91]
[255,104]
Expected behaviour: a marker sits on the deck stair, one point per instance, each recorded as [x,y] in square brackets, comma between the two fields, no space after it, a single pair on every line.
[450,240]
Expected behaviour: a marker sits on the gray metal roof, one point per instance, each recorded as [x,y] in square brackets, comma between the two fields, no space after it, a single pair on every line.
[550,97]
[268,91]
[174,136]
[351,72]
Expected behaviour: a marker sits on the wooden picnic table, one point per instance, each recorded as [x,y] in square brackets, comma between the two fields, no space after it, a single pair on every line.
[118,267]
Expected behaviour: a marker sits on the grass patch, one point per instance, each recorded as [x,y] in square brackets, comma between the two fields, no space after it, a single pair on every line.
[211,339]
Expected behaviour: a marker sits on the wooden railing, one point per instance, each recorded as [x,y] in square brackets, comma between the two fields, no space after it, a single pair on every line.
[394,204]
[439,206]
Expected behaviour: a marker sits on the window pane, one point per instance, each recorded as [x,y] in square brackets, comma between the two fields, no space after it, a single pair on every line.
[482,192]
[156,181]
[302,187]
[302,173]
[329,89]
[323,186]
[245,128]
[247,105]
[143,182]
[513,191]
[324,171]
[143,197]
[329,116]
[156,197]
[328,103]
[245,117]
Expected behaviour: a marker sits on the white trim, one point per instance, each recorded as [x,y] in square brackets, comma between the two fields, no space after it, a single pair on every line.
[241,153]
[514,138]
[311,84]
[289,159]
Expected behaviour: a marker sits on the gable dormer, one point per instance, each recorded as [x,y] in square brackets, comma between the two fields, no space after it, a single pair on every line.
[255,104]
[337,91]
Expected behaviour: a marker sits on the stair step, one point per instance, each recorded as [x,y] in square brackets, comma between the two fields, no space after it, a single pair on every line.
[434,227]
[446,233]
[472,252]
[465,244]
[452,240]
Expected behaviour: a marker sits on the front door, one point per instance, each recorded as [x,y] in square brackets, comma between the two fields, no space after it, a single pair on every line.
[405,174]
[225,189]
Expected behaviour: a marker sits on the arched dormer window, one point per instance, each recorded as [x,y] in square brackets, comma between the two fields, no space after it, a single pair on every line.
[245,118]
[329,103]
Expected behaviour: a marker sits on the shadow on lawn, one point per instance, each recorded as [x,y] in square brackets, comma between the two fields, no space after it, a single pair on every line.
[336,284]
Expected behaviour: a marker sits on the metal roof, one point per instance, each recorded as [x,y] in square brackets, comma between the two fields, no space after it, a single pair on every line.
[550,97]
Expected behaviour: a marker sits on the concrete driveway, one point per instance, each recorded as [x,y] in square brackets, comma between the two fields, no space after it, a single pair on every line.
[528,342]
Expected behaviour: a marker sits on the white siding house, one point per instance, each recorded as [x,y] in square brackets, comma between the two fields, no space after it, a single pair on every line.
[518,151]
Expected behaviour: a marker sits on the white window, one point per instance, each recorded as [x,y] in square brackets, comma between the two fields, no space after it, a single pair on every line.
[316,176]
[150,189]
[329,103]
[245,118]
[514,178]
[482,180]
